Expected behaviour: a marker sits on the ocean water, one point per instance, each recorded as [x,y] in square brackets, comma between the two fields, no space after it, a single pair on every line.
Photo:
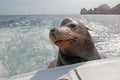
[25,44]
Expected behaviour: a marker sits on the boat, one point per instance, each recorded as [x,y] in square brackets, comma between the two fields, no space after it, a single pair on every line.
[103,69]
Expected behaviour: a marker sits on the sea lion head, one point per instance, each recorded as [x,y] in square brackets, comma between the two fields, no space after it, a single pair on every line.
[72,38]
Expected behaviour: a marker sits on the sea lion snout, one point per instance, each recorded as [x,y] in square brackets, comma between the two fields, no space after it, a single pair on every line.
[52,30]
[60,36]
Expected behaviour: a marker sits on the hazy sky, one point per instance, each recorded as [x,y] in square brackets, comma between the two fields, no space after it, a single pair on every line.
[8,7]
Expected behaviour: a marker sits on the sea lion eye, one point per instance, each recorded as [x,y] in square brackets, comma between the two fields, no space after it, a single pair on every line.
[72,25]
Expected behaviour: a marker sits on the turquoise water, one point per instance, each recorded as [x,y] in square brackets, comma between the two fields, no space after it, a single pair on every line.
[25,44]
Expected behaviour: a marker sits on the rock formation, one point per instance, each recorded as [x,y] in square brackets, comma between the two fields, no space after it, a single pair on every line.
[102,9]
[83,11]
[116,9]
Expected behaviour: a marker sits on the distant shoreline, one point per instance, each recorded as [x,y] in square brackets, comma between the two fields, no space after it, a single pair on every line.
[56,14]
[102,9]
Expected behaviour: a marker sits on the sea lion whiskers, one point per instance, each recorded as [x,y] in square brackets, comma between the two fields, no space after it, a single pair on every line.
[64,35]
[71,35]
[67,35]
[80,36]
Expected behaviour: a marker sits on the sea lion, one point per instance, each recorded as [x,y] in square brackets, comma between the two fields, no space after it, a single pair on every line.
[74,42]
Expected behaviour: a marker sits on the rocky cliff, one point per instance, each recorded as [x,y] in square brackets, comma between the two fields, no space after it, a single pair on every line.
[102,9]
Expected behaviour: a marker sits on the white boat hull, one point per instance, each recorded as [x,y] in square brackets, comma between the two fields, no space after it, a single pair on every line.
[108,69]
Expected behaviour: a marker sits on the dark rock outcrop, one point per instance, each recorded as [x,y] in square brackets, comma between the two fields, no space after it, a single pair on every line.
[102,9]
[90,11]
[116,9]
[83,11]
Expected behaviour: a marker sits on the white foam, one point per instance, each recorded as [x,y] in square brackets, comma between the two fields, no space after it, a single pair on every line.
[3,71]
[110,49]
[25,46]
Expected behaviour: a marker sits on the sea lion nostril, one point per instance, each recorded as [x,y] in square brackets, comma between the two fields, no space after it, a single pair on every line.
[52,30]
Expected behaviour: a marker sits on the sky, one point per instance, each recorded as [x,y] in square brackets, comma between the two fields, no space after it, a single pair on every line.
[25,7]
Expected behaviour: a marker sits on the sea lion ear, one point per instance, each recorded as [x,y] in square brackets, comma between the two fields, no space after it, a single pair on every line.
[65,21]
